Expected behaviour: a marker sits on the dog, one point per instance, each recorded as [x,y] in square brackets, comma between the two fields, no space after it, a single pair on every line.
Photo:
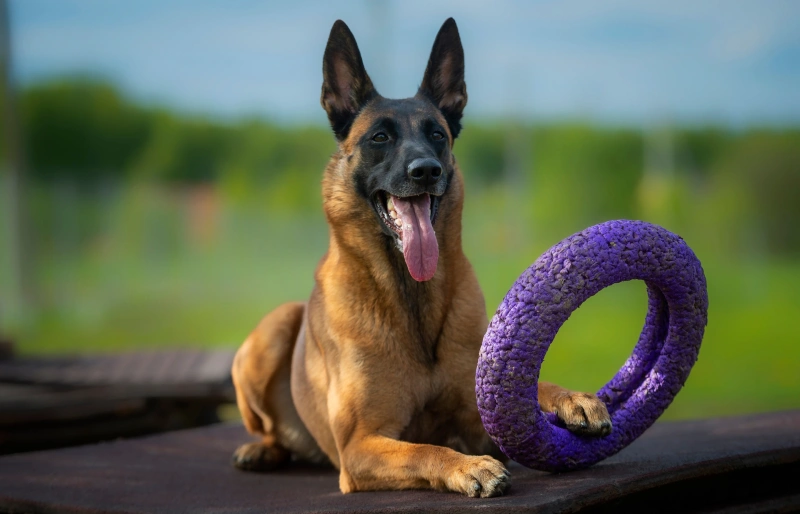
[375,374]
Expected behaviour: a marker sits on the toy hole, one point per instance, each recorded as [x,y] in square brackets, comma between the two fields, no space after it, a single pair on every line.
[597,338]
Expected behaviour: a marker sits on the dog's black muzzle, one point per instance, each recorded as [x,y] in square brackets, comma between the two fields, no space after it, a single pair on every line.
[425,171]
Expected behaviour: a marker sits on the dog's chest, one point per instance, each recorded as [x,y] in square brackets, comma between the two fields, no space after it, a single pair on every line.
[431,424]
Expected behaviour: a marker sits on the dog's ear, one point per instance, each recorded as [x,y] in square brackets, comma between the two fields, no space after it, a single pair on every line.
[346,87]
[443,82]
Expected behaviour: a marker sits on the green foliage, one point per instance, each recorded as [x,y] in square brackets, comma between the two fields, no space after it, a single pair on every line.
[80,128]
[735,191]
[584,175]
[481,153]
[87,130]
[699,149]
[198,150]
[766,166]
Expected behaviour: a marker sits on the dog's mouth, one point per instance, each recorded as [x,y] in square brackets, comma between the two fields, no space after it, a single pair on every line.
[410,220]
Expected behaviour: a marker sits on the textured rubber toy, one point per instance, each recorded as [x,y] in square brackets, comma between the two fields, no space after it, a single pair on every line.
[542,299]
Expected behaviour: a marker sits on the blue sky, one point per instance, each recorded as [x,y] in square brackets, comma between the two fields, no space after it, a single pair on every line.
[734,62]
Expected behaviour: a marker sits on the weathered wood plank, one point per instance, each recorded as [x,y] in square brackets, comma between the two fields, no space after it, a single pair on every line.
[51,402]
[153,367]
[749,463]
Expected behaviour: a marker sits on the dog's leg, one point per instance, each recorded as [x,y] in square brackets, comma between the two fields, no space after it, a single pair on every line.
[583,413]
[375,462]
[261,378]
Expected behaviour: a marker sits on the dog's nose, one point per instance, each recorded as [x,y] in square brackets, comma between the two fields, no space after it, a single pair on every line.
[425,172]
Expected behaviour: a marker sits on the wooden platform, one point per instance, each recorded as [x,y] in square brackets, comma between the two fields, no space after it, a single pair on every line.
[54,402]
[742,464]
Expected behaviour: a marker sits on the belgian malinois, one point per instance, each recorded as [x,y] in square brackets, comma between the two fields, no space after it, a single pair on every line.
[376,372]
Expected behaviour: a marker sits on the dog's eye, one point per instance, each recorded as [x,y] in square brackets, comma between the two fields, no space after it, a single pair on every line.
[380,137]
[437,136]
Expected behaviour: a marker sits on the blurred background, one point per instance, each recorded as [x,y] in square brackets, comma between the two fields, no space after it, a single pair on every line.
[161,166]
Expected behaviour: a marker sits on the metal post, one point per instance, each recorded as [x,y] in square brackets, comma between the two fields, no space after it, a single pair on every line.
[17,289]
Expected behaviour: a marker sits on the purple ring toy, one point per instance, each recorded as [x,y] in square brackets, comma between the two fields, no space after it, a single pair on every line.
[542,299]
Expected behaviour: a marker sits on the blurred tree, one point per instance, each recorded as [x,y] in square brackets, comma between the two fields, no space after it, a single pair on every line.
[80,128]
[481,153]
[188,150]
[766,165]
[699,148]
[85,130]
[584,175]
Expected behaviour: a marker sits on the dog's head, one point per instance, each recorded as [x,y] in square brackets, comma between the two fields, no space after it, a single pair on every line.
[395,156]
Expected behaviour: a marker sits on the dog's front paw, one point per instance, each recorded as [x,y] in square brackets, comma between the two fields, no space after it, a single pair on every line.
[583,413]
[480,476]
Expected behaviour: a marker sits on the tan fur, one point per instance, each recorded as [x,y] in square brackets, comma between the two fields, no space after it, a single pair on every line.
[376,373]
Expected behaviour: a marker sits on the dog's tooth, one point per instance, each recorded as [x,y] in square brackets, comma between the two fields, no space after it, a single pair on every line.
[390,204]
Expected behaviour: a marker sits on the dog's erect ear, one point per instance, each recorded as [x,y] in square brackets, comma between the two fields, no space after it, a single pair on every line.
[346,87]
[444,82]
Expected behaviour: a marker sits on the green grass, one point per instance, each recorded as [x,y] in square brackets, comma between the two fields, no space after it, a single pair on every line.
[117,295]
[207,297]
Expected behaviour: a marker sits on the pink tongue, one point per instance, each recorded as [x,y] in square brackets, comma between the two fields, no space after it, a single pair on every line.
[420,248]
